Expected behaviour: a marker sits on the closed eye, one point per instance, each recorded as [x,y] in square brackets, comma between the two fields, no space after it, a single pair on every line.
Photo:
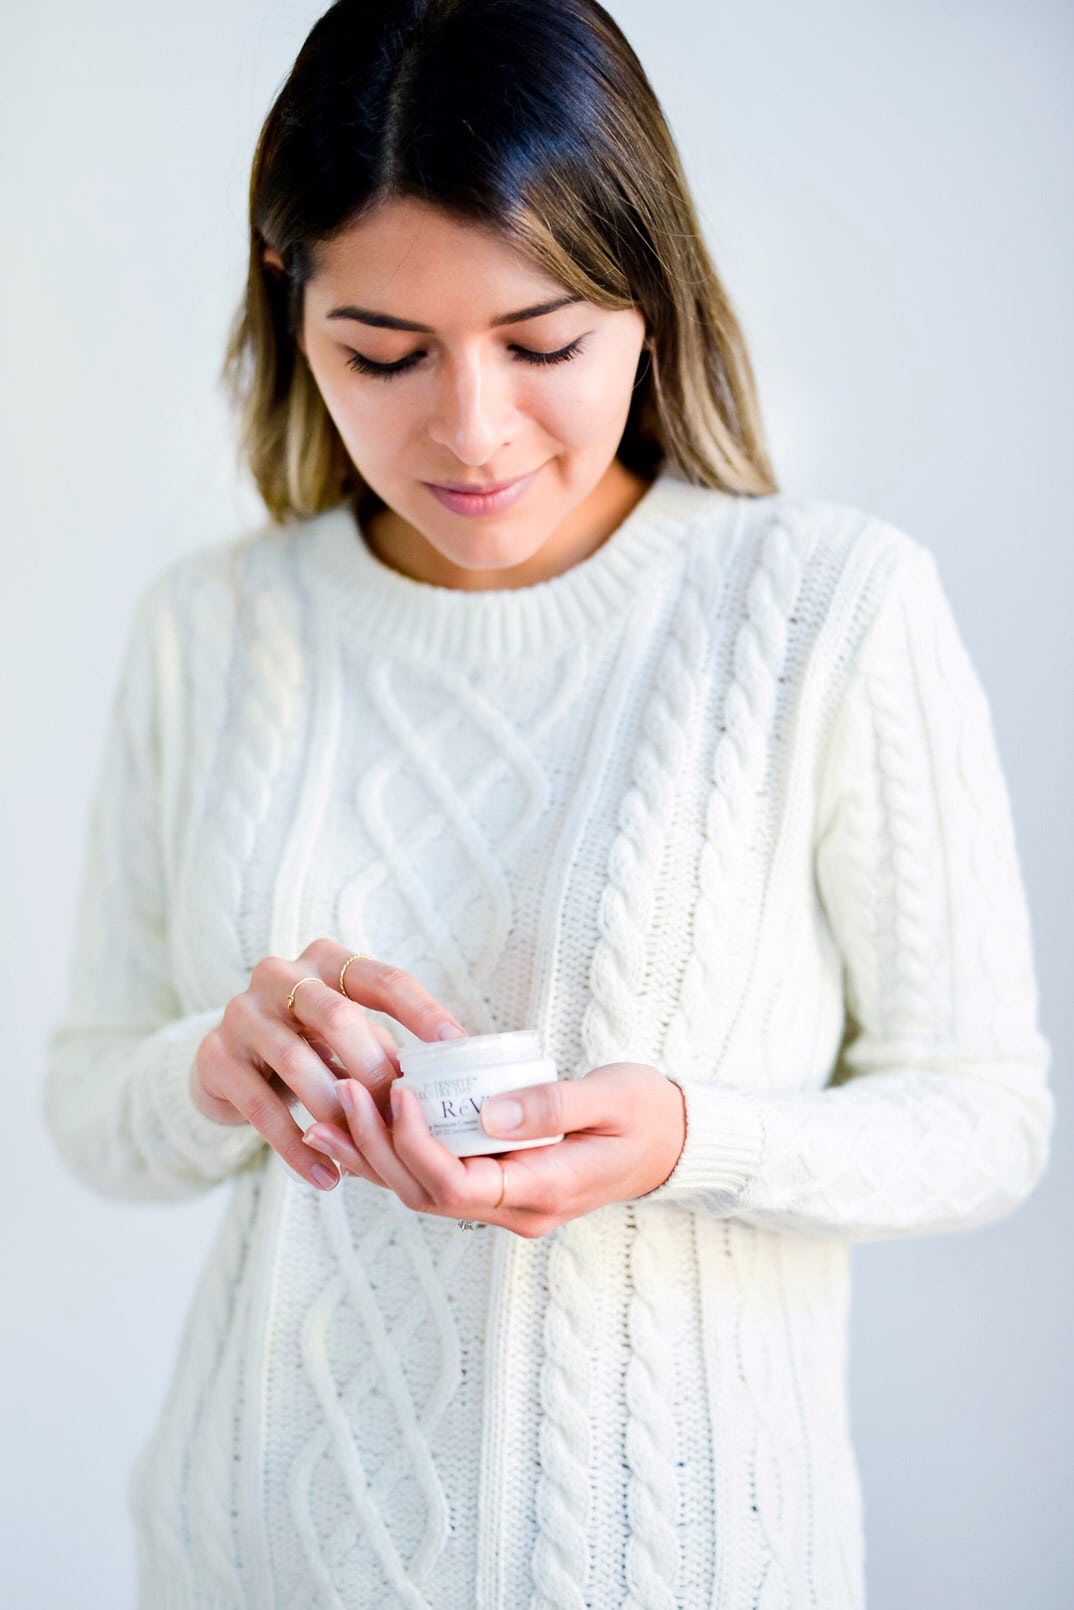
[387,371]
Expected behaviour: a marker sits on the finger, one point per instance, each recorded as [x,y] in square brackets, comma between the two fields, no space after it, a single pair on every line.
[339,1022]
[284,1052]
[547,1111]
[381,987]
[330,1140]
[267,1112]
[529,1197]
[468,1187]
[333,1062]
[375,1141]
[387,1040]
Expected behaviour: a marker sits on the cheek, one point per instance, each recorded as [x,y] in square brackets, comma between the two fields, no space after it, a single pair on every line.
[588,406]
[366,413]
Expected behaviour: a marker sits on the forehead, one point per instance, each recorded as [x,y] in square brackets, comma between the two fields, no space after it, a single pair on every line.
[425,264]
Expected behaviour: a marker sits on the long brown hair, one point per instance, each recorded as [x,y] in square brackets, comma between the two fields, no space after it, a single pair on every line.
[538,120]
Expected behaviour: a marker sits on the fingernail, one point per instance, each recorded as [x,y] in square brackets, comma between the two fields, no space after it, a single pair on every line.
[501,1114]
[450,1031]
[327,1178]
[327,1147]
[395,1098]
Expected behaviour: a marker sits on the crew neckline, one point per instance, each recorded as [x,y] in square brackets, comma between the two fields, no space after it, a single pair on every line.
[372,597]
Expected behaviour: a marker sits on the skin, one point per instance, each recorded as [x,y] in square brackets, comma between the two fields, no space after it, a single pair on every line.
[471,409]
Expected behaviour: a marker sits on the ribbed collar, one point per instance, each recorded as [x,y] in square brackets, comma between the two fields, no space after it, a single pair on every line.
[372,598]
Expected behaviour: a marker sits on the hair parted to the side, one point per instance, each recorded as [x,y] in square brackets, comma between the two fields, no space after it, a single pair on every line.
[537,121]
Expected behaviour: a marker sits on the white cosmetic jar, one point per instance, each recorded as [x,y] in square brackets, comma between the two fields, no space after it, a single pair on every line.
[453,1079]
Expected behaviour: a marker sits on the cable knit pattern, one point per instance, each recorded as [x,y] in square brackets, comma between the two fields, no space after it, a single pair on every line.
[624,915]
[652,1549]
[265,686]
[917,869]
[724,798]
[117,1099]
[742,751]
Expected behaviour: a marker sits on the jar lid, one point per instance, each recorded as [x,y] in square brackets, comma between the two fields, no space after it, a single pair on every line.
[434,1058]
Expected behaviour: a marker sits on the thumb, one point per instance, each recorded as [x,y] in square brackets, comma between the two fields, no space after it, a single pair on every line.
[536,1110]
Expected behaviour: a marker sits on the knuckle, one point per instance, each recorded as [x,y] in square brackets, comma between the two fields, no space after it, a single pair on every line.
[214,1062]
[291,1061]
[206,1070]
[545,1108]
[391,977]
[267,972]
[232,1015]
[337,1014]
[211,1054]
[552,1107]
[261,1112]
[320,949]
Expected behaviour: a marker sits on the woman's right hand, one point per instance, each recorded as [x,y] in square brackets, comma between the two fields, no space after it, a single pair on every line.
[258,1061]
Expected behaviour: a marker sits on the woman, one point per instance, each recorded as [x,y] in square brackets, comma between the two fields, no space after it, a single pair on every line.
[694,778]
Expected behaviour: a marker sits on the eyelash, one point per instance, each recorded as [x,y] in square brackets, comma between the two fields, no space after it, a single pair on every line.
[388,371]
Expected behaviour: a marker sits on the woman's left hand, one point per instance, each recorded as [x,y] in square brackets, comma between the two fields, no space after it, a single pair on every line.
[623,1127]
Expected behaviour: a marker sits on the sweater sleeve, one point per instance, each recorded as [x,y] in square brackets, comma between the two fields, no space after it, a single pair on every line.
[938,1115]
[116,1096]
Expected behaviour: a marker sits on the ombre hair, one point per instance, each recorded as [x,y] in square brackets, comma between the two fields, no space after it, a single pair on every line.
[536,120]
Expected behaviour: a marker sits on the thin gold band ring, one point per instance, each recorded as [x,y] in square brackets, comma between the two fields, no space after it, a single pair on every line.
[291,997]
[358,956]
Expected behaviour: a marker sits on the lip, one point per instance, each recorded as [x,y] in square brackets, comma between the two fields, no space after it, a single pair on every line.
[474,488]
[470,500]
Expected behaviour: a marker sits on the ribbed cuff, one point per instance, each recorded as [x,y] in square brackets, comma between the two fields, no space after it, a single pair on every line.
[723,1147]
[164,1106]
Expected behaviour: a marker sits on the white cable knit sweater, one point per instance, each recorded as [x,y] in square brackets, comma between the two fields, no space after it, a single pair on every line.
[724,798]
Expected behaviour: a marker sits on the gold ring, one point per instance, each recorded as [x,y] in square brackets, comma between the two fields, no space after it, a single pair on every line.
[359,955]
[291,997]
[503,1188]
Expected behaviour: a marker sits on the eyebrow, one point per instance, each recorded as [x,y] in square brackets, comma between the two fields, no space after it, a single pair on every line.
[385,321]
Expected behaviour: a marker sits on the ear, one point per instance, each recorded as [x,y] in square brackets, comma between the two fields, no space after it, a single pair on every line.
[274,263]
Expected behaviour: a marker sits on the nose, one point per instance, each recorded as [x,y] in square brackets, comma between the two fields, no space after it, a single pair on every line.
[473,410]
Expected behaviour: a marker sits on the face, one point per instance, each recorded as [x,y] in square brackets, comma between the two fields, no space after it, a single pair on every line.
[474,398]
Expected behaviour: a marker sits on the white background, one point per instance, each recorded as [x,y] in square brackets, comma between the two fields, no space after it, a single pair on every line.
[886,192]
